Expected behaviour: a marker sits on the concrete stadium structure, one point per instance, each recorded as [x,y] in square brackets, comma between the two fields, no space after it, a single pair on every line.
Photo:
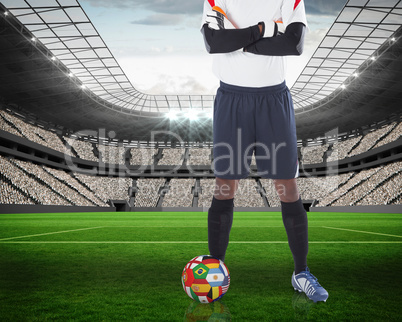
[76,89]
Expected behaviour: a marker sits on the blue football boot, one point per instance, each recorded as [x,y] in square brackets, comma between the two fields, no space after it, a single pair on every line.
[307,283]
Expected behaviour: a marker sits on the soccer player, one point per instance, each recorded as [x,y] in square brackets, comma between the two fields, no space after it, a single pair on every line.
[253,112]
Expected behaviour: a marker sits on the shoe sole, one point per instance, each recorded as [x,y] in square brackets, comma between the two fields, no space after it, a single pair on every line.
[300,291]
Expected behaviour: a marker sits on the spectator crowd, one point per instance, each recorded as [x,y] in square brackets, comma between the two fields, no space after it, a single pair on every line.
[27,183]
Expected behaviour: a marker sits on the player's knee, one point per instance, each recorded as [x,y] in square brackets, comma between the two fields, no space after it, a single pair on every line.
[225,189]
[287,190]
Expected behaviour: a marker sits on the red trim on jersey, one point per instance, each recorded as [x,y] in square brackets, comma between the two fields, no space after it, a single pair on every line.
[296,4]
[212,3]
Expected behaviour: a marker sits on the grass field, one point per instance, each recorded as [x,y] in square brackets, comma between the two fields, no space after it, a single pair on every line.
[127,266]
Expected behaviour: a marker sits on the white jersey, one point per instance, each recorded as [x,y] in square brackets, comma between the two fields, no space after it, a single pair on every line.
[246,69]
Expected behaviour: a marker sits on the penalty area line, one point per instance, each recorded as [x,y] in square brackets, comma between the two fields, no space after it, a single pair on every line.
[52,233]
[362,231]
[193,242]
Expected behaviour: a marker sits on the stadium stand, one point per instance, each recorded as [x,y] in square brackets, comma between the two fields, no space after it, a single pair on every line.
[179,193]
[172,157]
[111,154]
[370,140]
[247,195]
[383,187]
[148,192]
[9,195]
[42,176]
[34,184]
[316,188]
[310,188]
[142,156]
[356,180]
[207,192]
[35,133]
[7,126]
[199,156]
[106,188]
[24,181]
[84,150]
[75,185]
[362,114]
[394,135]
[313,154]
[270,192]
[340,150]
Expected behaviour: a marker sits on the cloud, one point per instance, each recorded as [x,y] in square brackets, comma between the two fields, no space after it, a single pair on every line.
[160,20]
[159,6]
[172,12]
[170,84]
[314,37]
[324,7]
[194,7]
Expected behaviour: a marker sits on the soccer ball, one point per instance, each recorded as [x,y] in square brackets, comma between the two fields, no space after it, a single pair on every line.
[205,279]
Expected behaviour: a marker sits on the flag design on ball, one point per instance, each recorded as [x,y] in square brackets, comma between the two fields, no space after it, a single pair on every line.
[205,279]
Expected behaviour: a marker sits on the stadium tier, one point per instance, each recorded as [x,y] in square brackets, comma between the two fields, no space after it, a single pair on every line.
[39,184]
[100,146]
[117,154]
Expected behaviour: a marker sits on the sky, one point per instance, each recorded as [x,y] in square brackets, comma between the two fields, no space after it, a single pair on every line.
[159,46]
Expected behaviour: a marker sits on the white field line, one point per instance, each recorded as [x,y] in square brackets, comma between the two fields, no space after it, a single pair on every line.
[52,233]
[201,226]
[194,242]
[362,231]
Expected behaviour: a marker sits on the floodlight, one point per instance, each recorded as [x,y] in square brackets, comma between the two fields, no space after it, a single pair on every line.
[343,86]
[6,13]
[356,75]
[53,58]
[33,39]
[192,116]
[70,75]
[372,58]
[83,86]
[172,115]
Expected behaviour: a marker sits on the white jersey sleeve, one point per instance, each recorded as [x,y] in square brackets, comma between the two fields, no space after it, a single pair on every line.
[293,11]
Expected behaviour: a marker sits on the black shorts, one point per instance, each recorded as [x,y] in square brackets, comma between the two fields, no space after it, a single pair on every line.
[259,120]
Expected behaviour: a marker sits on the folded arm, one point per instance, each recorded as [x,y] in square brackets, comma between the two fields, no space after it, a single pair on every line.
[289,43]
[229,40]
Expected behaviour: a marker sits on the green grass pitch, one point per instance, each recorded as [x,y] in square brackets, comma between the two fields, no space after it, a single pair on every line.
[127,266]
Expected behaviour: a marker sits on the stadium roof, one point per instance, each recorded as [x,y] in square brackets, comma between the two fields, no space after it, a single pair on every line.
[347,50]
[56,66]
[65,29]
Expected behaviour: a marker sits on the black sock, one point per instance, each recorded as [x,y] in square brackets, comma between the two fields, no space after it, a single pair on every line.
[295,220]
[220,219]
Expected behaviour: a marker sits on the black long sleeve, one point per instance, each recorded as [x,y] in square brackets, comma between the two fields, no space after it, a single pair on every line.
[290,43]
[229,40]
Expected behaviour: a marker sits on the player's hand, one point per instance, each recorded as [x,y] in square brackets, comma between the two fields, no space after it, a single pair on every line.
[217,19]
[271,28]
